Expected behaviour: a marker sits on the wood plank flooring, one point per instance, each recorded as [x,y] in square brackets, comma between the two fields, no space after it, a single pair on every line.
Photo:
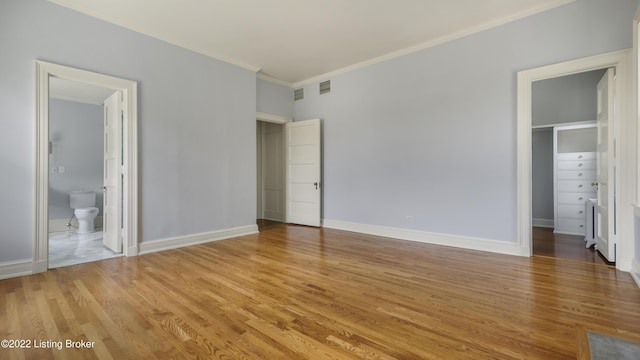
[296,292]
[562,246]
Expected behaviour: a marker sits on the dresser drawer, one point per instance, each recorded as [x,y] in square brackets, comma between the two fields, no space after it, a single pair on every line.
[570,226]
[576,165]
[575,186]
[576,175]
[575,198]
[571,211]
[577,156]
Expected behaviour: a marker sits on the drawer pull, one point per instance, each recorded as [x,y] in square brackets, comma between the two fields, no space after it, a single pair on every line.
[580,165]
[581,226]
[580,174]
[580,212]
[580,185]
[580,198]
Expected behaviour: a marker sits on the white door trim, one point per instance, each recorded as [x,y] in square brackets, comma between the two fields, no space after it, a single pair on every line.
[625,131]
[276,119]
[45,70]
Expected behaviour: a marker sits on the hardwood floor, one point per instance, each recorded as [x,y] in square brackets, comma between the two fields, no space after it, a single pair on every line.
[561,246]
[295,292]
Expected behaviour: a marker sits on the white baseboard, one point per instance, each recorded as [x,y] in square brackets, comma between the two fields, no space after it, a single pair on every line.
[464,242]
[635,271]
[16,268]
[545,223]
[147,247]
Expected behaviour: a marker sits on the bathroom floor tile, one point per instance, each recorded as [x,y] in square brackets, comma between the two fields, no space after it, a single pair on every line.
[70,248]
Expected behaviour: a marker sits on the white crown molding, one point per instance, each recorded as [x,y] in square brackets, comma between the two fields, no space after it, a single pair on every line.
[274,80]
[86,9]
[147,247]
[464,242]
[434,42]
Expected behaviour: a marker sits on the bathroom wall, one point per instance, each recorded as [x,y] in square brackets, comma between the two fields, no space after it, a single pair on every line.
[76,135]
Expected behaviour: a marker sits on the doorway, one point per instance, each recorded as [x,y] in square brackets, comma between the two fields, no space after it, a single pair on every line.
[77,135]
[564,149]
[624,131]
[270,169]
[127,208]
[271,172]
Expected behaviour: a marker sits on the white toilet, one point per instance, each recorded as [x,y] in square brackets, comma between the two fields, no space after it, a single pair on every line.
[83,202]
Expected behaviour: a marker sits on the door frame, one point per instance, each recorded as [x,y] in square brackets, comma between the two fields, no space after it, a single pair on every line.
[275,119]
[625,130]
[43,72]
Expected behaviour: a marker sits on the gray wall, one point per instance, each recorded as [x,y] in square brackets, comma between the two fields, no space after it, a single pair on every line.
[197,160]
[542,174]
[565,99]
[76,132]
[273,98]
[433,134]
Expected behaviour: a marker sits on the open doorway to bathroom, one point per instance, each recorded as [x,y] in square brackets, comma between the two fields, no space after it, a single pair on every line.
[120,160]
[77,135]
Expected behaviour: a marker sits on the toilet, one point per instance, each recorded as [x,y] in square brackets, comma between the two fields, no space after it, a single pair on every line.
[83,202]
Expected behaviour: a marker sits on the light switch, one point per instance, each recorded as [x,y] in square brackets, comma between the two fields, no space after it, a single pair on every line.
[61,169]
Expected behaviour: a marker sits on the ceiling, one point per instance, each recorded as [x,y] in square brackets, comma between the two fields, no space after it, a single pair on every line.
[298,41]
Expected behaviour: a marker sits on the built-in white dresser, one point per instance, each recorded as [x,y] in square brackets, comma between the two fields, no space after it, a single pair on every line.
[574,173]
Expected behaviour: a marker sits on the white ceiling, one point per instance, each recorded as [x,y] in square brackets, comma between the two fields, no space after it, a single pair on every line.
[298,41]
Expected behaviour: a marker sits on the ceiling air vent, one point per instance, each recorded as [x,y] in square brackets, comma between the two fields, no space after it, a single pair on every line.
[325,87]
[298,94]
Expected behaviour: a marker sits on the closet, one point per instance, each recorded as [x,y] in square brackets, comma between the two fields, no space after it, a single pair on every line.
[574,176]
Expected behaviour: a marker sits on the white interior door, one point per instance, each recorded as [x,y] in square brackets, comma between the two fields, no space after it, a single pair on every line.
[303,170]
[112,172]
[605,167]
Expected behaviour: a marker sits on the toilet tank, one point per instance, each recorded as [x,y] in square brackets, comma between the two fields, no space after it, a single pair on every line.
[82,199]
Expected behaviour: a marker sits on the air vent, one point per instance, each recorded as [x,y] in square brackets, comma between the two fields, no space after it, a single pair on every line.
[325,87]
[298,94]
